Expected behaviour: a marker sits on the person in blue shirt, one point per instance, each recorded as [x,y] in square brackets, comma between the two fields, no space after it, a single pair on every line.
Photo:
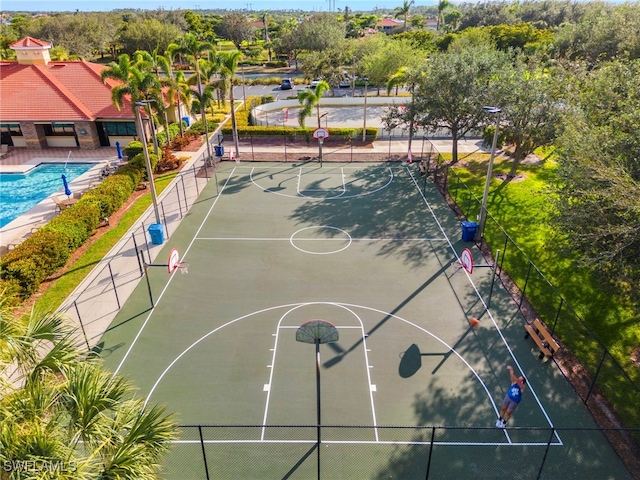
[512,398]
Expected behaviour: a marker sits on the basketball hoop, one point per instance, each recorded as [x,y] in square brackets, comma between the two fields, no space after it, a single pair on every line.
[183,267]
[320,133]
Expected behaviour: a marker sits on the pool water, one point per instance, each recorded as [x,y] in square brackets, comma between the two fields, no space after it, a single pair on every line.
[19,193]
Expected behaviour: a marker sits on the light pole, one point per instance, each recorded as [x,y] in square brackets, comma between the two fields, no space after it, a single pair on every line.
[364,123]
[145,149]
[483,209]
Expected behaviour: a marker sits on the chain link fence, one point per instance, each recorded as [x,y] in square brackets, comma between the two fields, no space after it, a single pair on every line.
[97,300]
[609,391]
[276,452]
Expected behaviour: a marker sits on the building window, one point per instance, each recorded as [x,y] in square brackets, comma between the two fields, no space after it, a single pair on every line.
[60,129]
[11,128]
[125,129]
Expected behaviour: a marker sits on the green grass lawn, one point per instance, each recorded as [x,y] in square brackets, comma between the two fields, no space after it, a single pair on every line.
[523,207]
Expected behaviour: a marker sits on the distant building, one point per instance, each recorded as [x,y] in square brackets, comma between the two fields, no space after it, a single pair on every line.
[387,24]
[58,104]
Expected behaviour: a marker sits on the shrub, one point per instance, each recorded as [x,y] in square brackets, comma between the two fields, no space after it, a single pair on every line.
[70,232]
[169,160]
[10,291]
[140,163]
[26,273]
[47,249]
[487,136]
[133,148]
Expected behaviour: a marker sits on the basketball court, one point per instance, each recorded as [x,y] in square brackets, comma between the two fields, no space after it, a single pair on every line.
[372,251]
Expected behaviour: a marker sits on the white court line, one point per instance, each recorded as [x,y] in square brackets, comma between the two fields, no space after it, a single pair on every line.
[287,239]
[273,363]
[233,321]
[144,324]
[371,442]
[486,309]
[342,196]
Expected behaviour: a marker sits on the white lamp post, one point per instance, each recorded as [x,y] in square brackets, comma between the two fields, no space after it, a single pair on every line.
[364,123]
[145,149]
[483,209]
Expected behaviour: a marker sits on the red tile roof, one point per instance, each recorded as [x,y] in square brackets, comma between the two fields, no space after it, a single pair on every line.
[58,91]
[30,42]
[388,22]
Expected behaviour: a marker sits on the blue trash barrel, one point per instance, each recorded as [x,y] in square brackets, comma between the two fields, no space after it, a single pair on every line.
[156,230]
[468,231]
[219,150]
[186,120]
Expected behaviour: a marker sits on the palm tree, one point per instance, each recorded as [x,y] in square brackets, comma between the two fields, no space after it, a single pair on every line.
[195,50]
[61,407]
[403,11]
[228,66]
[405,77]
[311,98]
[200,103]
[442,6]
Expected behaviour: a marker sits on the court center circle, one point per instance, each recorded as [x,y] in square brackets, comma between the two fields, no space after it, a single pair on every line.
[320,240]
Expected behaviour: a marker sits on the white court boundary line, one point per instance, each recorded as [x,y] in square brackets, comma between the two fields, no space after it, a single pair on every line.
[447,239]
[341,196]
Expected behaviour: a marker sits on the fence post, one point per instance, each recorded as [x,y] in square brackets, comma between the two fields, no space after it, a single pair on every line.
[84,334]
[195,179]
[524,288]
[546,451]
[493,277]
[113,282]
[555,320]
[433,436]
[165,224]
[204,452]
[135,246]
[184,191]
[179,202]
[595,377]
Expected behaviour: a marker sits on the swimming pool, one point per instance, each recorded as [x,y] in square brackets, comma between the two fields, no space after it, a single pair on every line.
[19,192]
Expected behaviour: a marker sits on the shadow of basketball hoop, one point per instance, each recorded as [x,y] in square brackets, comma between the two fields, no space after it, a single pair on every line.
[410,361]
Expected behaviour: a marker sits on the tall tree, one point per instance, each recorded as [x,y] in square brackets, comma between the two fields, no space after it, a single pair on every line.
[532,108]
[405,114]
[147,34]
[228,67]
[599,172]
[310,99]
[454,87]
[237,28]
[135,85]
[195,51]
[403,11]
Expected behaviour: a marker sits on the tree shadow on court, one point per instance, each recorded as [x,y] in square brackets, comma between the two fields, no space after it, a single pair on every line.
[380,206]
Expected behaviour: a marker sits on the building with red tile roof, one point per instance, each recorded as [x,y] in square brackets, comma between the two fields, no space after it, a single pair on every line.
[58,104]
[387,24]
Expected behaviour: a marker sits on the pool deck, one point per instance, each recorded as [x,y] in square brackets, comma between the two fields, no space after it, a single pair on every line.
[21,160]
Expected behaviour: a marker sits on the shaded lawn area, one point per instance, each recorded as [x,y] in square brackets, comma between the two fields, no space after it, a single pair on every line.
[523,207]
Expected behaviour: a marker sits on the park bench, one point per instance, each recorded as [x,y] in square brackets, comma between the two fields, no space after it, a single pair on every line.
[545,342]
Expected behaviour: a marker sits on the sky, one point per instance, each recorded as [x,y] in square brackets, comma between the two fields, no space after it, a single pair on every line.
[251,5]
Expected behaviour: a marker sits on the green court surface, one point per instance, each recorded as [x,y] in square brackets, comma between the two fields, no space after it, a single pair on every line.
[373,249]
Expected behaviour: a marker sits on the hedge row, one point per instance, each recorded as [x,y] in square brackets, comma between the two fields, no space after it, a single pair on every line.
[24,268]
